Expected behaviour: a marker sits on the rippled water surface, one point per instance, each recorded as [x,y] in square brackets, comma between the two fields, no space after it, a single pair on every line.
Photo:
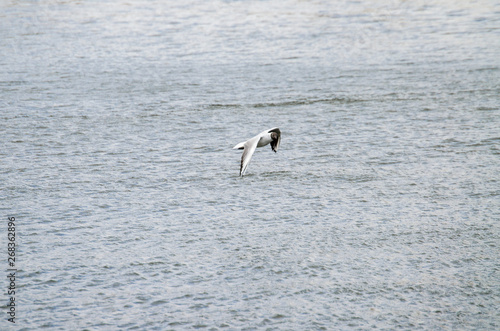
[380,210]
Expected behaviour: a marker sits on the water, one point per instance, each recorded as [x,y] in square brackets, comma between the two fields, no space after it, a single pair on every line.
[380,210]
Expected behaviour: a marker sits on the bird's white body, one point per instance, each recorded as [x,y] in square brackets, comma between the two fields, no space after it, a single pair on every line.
[271,136]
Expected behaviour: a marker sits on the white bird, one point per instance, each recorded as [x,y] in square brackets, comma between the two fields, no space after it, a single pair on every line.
[272,136]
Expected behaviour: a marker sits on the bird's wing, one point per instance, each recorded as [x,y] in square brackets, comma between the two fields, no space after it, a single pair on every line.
[250,146]
[275,143]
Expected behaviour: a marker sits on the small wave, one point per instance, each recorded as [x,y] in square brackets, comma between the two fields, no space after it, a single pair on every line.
[302,102]
[289,103]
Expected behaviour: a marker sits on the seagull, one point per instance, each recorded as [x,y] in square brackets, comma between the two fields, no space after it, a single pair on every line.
[272,136]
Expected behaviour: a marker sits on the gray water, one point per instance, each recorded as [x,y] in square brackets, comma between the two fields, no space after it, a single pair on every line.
[380,210]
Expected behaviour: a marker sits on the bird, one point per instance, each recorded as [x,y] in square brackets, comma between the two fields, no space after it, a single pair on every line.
[272,136]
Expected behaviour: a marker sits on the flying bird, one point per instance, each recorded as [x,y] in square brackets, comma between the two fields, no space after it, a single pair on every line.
[272,136]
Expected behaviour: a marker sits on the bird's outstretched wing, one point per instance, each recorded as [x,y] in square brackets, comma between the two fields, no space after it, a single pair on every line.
[275,143]
[250,146]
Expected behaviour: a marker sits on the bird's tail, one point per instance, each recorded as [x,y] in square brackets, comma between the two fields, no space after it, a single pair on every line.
[240,145]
